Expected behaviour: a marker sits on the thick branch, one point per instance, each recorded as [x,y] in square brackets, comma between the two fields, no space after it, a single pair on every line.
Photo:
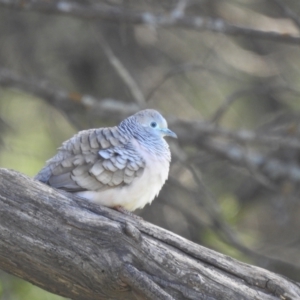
[83,251]
[172,19]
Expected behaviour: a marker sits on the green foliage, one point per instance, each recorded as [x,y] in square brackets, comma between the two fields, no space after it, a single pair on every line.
[28,144]
[13,288]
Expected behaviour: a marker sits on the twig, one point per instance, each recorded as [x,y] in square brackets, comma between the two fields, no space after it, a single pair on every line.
[273,168]
[121,70]
[184,68]
[212,209]
[191,131]
[217,115]
[188,131]
[174,71]
[116,14]
[180,8]
[288,12]
[225,232]
[66,100]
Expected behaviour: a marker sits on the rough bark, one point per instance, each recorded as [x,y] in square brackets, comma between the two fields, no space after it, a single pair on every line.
[83,251]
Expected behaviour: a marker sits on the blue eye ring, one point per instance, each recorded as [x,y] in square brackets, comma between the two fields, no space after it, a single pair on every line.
[153,124]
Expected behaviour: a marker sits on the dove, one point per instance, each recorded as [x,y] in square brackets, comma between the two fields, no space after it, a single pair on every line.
[122,167]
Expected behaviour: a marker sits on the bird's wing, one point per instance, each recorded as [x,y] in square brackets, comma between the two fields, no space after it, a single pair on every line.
[94,159]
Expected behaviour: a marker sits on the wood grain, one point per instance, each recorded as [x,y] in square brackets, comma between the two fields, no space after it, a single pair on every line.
[81,250]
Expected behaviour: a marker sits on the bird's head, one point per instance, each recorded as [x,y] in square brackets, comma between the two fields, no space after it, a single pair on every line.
[153,123]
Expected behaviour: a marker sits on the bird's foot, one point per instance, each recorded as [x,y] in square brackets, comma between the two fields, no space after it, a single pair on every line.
[124,211]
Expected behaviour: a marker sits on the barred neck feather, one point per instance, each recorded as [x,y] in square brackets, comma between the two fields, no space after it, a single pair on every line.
[153,143]
[157,146]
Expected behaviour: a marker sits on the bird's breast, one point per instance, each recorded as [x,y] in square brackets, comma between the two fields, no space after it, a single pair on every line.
[145,188]
[141,191]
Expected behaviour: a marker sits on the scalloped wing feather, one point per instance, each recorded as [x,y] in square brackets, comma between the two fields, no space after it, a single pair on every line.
[95,159]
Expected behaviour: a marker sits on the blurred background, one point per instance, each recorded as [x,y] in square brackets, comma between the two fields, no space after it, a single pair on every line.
[227,82]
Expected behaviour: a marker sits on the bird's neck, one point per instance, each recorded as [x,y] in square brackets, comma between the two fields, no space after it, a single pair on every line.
[154,145]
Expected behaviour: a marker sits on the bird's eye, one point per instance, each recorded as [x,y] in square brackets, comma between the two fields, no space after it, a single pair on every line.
[153,124]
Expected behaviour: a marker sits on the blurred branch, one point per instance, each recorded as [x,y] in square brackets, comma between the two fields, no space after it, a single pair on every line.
[216,117]
[288,12]
[204,202]
[217,224]
[189,132]
[187,67]
[112,255]
[272,168]
[121,70]
[184,68]
[180,8]
[4,127]
[116,14]
[64,100]
[255,90]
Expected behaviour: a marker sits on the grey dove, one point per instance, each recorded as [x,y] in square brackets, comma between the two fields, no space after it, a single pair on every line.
[123,167]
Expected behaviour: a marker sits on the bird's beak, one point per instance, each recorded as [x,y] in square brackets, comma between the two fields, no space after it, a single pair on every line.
[168,132]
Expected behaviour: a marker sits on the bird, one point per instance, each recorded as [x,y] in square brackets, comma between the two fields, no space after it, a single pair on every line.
[122,167]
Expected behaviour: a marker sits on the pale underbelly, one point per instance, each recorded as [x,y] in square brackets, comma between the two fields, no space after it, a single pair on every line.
[141,191]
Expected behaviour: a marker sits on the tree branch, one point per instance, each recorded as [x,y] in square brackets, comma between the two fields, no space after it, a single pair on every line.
[188,131]
[116,14]
[66,101]
[288,12]
[195,133]
[81,250]
[120,69]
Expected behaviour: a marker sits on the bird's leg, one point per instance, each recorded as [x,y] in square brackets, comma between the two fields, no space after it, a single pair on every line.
[124,211]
